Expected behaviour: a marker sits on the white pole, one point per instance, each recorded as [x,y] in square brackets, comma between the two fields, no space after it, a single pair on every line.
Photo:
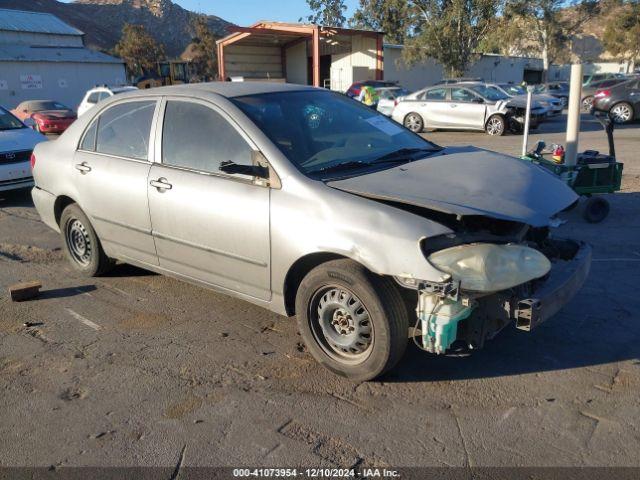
[573,118]
[525,139]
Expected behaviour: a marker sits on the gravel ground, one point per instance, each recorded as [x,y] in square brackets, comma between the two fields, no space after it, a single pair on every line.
[139,369]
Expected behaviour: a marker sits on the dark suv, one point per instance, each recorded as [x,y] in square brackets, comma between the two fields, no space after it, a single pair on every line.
[621,102]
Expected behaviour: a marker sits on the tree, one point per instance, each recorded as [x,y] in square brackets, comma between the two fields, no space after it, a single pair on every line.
[389,16]
[544,27]
[449,31]
[622,31]
[203,48]
[138,49]
[329,13]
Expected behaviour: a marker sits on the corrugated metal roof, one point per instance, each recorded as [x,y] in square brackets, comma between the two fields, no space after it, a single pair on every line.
[24,53]
[36,22]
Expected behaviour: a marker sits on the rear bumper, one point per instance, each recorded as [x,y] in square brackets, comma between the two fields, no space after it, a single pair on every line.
[16,184]
[14,176]
[54,128]
[564,281]
[45,203]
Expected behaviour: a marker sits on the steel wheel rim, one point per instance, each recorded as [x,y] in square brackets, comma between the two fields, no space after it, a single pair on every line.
[587,102]
[413,123]
[494,127]
[341,324]
[621,113]
[78,242]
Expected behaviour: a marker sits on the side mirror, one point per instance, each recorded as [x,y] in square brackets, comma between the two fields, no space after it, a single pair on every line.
[233,168]
[29,122]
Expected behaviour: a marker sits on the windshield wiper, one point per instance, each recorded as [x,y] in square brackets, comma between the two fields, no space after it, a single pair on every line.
[341,166]
[403,155]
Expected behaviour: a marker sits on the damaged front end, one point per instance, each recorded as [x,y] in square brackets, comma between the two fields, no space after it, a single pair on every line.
[525,278]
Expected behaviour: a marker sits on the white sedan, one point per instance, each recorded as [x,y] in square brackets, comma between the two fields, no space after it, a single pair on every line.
[17,141]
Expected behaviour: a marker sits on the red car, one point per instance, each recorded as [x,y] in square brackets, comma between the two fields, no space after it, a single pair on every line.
[50,116]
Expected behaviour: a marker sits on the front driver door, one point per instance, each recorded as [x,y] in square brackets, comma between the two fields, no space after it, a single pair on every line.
[207,225]
[467,110]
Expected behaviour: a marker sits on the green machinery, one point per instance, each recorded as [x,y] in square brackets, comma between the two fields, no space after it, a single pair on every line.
[593,173]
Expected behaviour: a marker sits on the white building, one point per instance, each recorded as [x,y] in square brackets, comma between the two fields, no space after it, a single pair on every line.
[491,68]
[41,57]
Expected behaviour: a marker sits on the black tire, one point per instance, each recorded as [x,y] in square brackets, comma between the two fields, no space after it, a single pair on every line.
[495,125]
[596,209]
[378,309]
[81,244]
[414,122]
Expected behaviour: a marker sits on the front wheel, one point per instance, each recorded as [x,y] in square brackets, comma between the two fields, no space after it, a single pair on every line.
[414,122]
[81,244]
[352,321]
[495,125]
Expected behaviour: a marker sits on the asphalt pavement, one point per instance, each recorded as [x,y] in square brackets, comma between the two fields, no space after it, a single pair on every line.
[137,369]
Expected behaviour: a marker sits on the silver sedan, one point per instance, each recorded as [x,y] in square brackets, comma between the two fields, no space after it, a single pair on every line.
[308,203]
[464,106]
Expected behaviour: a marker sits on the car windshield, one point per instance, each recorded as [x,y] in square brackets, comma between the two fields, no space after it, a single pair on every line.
[514,89]
[489,93]
[8,121]
[323,133]
[392,93]
[42,105]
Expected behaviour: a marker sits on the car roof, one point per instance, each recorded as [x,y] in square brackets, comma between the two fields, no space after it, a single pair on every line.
[225,89]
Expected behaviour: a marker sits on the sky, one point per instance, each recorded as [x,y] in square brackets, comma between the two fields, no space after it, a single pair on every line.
[246,12]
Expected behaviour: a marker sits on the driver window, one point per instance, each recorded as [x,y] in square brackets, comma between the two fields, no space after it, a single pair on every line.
[196,136]
[461,95]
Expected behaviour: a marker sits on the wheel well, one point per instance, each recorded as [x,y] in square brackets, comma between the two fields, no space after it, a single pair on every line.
[298,271]
[60,204]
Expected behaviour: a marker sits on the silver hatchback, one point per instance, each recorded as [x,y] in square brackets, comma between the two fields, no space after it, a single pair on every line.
[308,203]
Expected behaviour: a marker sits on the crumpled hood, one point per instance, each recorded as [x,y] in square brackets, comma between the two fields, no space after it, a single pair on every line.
[469,181]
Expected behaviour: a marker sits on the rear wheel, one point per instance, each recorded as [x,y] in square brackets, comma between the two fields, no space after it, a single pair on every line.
[81,244]
[353,322]
[414,122]
[587,103]
[621,112]
[495,125]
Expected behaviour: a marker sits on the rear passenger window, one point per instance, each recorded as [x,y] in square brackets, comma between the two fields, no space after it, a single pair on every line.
[196,136]
[436,94]
[123,130]
[93,97]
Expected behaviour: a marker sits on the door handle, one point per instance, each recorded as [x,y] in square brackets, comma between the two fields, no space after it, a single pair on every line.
[453,105]
[83,167]
[161,184]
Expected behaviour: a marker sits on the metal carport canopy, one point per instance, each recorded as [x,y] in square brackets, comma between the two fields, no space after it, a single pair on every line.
[287,34]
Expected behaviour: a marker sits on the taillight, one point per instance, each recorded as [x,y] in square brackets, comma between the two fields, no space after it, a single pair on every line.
[602,93]
[33,161]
